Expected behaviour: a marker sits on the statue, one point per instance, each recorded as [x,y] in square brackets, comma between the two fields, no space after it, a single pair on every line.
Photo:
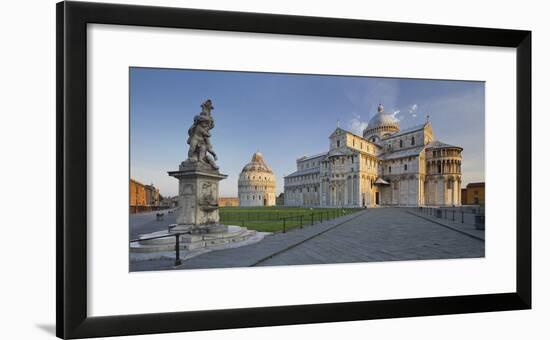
[199,137]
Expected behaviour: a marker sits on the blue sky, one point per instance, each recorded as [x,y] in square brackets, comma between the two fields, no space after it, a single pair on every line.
[286,116]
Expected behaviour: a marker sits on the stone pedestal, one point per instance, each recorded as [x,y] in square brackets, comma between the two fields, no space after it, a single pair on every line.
[198,198]
[198,222]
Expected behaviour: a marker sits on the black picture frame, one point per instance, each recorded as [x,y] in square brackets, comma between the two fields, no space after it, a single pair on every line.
[71,187]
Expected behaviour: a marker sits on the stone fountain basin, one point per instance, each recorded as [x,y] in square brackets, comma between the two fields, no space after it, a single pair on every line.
[190,242]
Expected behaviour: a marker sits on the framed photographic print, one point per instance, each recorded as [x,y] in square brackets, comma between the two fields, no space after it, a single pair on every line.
[225,169]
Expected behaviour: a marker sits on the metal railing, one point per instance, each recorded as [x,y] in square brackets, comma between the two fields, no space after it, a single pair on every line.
[287,222]
[177,245]
[474,216]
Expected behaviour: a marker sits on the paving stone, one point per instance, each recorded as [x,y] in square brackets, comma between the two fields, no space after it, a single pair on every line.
[382,234]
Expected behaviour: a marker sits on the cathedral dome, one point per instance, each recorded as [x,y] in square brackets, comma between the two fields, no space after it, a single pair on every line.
[382,118]
[381,124]
[257,164]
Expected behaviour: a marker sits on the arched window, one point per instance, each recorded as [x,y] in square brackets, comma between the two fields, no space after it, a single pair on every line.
[400,143]
[405,167]
[389,169]
[412,140]
[338,143]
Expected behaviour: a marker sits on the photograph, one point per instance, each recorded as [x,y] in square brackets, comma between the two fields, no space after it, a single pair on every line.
[248,169]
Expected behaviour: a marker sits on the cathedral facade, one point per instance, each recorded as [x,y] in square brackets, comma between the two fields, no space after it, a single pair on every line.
[256,183]
[386,166]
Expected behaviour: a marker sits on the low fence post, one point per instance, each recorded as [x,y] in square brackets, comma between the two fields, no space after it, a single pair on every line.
[462,216]
[284,224]
[321,220]
[453,215]
[479,222]
[301,224]
[311,218]
[178,260]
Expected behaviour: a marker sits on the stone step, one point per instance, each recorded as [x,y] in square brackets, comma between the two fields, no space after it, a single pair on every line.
[234,234]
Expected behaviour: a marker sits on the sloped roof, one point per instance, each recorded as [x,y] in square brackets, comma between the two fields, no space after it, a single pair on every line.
[339,129]
[440,145]
[303,172]
[303,158]
[379,180]
[410,152]
[408,130]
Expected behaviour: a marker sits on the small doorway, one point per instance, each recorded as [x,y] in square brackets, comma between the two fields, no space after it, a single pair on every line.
[265,201]
[377,198]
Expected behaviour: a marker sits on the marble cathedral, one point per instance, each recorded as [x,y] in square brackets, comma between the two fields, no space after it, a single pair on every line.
[387,166]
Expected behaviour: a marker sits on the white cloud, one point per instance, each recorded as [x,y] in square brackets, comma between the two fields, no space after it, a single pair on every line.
[395,113]
[356,125]
[413,110]
[383,91]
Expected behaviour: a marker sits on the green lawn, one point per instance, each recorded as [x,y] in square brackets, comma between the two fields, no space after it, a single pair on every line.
[276,219]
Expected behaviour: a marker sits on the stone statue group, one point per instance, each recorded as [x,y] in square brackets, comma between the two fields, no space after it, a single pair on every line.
[200,148]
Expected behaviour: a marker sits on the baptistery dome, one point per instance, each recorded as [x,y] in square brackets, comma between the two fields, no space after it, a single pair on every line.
[256,183]
[381,125]
[257,164]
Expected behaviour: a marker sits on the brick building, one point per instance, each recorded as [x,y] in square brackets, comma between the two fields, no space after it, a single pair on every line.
[143,197]
[474,194]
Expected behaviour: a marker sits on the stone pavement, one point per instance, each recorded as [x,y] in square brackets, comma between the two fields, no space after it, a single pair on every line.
[465,228]
[382,234]
[145,223]
[250,255]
